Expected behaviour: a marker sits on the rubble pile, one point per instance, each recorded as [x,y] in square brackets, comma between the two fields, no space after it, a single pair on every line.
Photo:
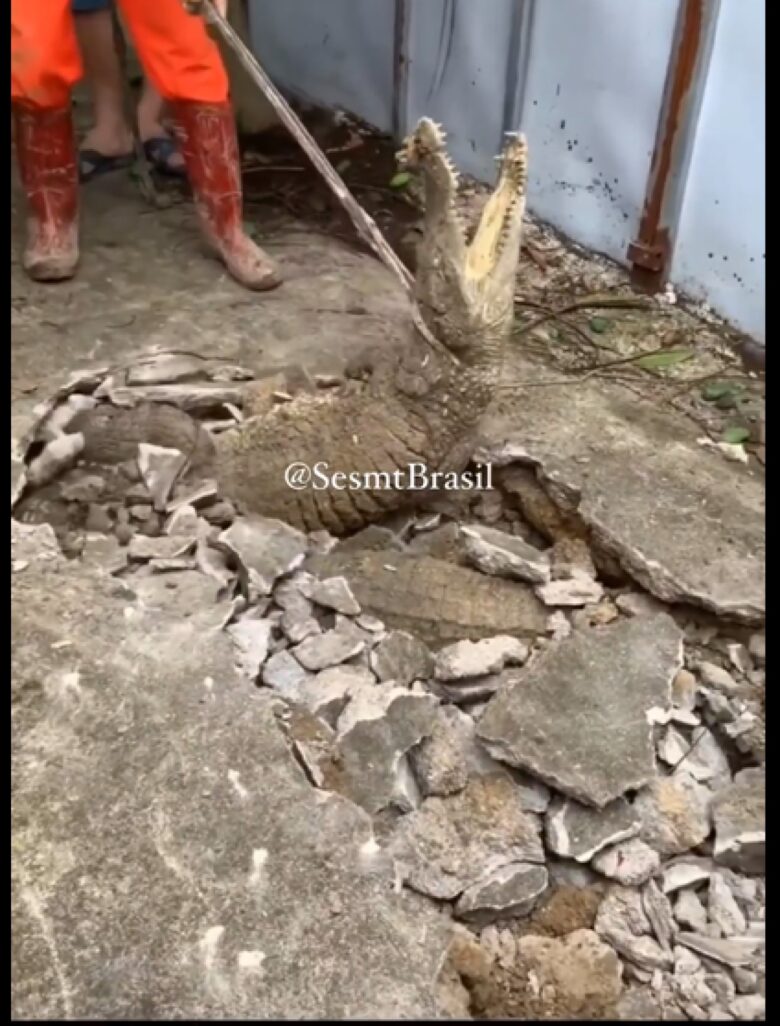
[619,750]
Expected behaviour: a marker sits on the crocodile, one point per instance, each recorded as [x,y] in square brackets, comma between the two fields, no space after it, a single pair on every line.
[422,402]
[436,600]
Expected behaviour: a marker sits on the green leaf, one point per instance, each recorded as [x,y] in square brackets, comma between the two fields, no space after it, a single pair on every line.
[660,361]
[716,390]
[736,435]
[719,389]
[400,180]
[599,324]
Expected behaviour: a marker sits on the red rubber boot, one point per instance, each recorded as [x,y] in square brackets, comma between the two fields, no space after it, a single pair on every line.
[46,152]
[210,150]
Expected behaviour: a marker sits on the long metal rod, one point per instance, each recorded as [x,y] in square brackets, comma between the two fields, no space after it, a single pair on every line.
[364,224]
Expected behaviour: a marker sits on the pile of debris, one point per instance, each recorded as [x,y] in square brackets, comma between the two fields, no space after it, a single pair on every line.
[594,739]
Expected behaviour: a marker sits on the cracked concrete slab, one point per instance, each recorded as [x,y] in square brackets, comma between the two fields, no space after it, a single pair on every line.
[199,879]
[684,522]
[605,680]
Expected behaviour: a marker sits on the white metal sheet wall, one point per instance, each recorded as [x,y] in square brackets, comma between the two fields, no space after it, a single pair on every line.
[584,78]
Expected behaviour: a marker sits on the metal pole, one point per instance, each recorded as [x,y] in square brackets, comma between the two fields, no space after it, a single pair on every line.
[403,16]
[518,60]
[686,77]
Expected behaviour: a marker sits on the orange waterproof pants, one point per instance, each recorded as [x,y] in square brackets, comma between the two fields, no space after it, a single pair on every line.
[176,51]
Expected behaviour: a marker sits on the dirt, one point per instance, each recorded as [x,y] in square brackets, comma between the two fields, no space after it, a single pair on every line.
[508,994]
[565,910]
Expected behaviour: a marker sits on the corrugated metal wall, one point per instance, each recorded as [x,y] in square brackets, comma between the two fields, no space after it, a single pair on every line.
[584,79]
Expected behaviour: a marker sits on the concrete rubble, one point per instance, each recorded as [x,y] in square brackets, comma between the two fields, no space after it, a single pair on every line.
[420,790]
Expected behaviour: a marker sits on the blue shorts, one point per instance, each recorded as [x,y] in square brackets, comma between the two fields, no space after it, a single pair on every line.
[90,6]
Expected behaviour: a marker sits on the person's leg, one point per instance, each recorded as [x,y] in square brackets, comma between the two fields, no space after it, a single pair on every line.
[110,135]
[160,146]
[45,64]
[185,65]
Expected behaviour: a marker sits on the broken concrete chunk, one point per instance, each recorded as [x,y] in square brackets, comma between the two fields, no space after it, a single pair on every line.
[164,368]
[160,468]
[757,648]
[312,741]
[203,494]
[185,522]
[605,681]
[335,593]
[297,623]
[378,727]
[636,603]
[714,676]
[749,1008]
[251,639]
[685,873]
[328,649]
[507,892]
[533,795]
[265,550]
[469,691]
[645,952]
[672,746]
[739,812]
[354,678]
[719,709]
[701,757]
[370,623]
[213,562]
[327,693]
[579,589]
[443,762]
[143,548]
[675,813]
[631,862]
[723,909]
[55,456]
[467,659]
[401,657]
[575,831]
[663,717]
[622,911]
[285,674]
[658,910]
[558,625]
[504,555]
[734,951]
[706,761]
[449,844]
[690,912]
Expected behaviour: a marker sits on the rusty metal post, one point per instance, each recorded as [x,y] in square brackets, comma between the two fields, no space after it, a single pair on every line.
[401,29]
[651,253]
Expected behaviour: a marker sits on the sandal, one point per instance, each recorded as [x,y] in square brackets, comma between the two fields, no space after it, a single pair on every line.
[92,164]
[159,151]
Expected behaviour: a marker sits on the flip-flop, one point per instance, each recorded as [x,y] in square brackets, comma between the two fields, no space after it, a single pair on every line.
[159,152]
[92,164]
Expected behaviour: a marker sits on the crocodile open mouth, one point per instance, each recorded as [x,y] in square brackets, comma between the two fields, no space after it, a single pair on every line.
[425,148]
[504,207]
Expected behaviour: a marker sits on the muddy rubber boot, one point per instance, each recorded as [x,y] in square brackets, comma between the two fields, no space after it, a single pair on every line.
[46,152]
[210,150]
